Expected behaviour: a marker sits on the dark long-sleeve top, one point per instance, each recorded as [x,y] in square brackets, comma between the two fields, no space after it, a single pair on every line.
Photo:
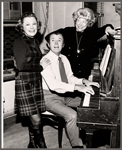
[80,60]
[28,55]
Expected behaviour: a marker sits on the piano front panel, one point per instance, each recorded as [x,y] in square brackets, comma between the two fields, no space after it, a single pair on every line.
[106,114]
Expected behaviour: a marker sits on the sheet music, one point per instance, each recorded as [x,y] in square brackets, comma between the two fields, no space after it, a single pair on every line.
[105,59]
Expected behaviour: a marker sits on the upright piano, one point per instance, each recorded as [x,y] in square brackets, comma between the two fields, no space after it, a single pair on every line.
[102,110]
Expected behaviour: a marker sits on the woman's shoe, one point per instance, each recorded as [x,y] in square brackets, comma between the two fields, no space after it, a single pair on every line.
[77,147]
[31,138]
[31,142]
[39,137]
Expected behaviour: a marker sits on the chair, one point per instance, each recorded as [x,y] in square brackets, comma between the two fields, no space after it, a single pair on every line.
[53,120]
[48,118]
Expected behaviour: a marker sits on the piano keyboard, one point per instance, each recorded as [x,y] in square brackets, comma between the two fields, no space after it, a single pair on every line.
[86,100]
[92,101]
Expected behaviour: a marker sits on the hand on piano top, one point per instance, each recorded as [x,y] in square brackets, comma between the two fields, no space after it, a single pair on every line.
[110,31]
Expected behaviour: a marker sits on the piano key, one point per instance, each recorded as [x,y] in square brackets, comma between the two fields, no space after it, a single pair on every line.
[86,100]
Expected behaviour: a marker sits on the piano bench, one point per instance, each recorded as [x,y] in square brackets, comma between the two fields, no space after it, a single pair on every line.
[55,121]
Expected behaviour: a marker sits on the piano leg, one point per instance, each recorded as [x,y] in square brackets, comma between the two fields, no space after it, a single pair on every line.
[118,136]
[113,139]
[89,140]
[89,137]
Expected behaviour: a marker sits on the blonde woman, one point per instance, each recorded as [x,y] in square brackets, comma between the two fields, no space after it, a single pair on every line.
[80,39]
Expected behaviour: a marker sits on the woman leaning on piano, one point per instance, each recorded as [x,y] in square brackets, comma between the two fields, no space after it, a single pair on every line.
[80,41]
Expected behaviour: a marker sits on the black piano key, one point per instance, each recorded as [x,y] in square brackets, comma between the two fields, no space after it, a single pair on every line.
[94,102]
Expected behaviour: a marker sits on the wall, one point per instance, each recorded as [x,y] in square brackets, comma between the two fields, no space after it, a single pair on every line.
[110,16]
[8,98]
[60,13]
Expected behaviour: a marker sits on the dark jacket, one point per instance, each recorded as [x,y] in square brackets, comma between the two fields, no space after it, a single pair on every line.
[80,60]
[28,55]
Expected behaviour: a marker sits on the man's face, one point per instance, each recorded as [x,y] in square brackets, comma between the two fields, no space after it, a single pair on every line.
[81,24]
[56,43]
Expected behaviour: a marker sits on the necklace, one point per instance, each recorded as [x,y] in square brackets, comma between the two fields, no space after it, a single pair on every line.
[78,43]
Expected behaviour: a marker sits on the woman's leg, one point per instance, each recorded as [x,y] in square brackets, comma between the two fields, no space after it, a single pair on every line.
[38,131]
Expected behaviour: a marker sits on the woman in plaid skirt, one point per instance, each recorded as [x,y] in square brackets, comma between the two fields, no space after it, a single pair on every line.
[28,82]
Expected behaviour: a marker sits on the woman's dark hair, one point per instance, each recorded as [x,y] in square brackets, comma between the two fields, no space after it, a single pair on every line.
[19,26]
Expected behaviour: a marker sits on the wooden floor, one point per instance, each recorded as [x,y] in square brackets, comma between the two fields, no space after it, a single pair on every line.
[16,136]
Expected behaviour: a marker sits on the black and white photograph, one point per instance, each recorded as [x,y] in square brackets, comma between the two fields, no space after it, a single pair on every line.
[61,74]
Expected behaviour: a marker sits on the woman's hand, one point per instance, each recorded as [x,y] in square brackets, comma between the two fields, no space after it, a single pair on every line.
[110,31]
[89,83]
[45,62]
[84,89]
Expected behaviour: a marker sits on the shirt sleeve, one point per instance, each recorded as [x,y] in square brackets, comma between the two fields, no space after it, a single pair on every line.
[55,85]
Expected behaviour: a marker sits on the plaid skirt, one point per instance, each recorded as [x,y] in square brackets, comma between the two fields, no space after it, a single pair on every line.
[29,98]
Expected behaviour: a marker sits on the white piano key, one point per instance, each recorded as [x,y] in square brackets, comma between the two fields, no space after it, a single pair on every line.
[86,100]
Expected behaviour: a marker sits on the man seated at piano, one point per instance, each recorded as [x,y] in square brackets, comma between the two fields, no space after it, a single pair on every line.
[59,83]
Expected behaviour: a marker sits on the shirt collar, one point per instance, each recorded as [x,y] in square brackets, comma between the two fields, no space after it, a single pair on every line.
[54,56]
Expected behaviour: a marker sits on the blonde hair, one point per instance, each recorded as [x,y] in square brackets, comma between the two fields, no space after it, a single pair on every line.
[85,13]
